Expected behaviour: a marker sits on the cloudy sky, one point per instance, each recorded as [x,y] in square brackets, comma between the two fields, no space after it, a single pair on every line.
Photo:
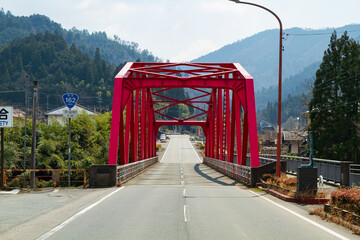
[181,30]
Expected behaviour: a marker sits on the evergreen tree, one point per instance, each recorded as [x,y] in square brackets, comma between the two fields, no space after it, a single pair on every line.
[334,105]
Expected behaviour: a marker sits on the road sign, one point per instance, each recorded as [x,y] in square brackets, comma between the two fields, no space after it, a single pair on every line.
[68,113]
[70,99]
[6,117]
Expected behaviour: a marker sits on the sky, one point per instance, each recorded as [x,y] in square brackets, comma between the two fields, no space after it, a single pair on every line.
[182,30]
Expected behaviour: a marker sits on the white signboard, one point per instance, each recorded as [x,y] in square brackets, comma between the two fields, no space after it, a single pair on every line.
[67,113]
[6,117]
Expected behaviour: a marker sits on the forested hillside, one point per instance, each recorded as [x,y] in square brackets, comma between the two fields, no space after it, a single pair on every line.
[258,54]
[114,51]
[58,67]
[292,86]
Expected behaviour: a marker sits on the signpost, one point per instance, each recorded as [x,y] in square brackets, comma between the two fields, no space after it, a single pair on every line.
[6,120]
[70,100]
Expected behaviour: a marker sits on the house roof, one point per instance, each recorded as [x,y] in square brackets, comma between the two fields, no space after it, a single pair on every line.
[294,135]
[59,111]
[18,113]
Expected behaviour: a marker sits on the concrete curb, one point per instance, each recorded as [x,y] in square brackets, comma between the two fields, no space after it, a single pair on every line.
[297,200]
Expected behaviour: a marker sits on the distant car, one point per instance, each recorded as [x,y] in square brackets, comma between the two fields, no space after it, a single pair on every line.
[162,138]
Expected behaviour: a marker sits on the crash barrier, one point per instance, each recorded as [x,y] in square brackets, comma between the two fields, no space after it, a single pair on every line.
[44,177]
[129,171]
[113,175]
[331,170]
[244,174]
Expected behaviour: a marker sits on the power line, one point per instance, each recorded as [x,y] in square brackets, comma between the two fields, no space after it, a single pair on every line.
[317,34]
[15,91]
[328,86]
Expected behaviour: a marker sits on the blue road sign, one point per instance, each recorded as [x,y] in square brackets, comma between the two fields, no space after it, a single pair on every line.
[70,99]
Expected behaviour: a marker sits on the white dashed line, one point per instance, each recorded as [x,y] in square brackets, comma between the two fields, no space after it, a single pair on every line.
[184,192]
[185,218]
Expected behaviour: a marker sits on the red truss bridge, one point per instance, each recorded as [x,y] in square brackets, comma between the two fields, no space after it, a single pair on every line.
[229,109]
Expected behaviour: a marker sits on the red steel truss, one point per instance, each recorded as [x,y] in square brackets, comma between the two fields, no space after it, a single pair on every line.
[229,109]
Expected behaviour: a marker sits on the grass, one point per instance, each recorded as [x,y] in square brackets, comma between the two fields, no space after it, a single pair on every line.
[288,186]
[335,219]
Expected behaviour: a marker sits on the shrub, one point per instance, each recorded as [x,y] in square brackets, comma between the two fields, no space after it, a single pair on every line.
[347,199]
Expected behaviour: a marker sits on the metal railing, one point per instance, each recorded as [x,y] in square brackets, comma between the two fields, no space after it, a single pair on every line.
[354,175]
[235,171]
[128,171]
[13,177]
[329,169]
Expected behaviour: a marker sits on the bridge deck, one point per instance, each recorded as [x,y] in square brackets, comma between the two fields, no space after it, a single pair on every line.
[180,198]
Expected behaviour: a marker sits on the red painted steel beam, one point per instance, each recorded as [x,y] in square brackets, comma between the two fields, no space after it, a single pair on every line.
[135,140]
[227,124]
[220,125]
[227,76]
[128,123]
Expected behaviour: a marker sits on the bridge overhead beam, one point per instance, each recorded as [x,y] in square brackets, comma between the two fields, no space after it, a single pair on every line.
[224,125]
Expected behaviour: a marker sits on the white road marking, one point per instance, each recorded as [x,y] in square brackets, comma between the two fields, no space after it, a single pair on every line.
[15,191]
[185,218]
[63,224]
[182,182]
[166,150]
[184,192]
[55,190]
[196,153]
[303,218]
[182,176]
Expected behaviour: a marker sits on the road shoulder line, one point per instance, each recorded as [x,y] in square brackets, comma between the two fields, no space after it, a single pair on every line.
[69,220]
[302,217]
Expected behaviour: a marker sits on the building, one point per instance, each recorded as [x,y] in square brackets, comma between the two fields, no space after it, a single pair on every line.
[294,141]
[57,114]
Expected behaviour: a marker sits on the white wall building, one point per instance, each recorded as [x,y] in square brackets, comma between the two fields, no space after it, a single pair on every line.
[57,114]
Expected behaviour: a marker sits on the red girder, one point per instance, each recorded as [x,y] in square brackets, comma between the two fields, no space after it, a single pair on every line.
[222,128]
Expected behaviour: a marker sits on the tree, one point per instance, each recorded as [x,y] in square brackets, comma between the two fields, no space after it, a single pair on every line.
[334,105]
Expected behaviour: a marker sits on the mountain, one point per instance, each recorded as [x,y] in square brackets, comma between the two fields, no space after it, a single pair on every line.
[294,85]
[114,51]
[58,67]
[258,54]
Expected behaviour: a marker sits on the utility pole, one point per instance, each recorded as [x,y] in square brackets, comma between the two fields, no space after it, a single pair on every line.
[47,103]
[2,159]
[33,143]
[26,113]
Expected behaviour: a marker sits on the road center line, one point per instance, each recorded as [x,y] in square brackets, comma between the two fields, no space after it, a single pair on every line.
[303,218]
[63,224]
[184,192]
[185,218]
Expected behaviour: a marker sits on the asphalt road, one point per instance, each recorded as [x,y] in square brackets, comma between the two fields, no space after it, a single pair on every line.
[179,198]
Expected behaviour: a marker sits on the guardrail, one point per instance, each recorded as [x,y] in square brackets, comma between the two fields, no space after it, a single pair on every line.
[245,174]
[354,175]
[237,172]
[131,170]
[48,176]
[331,170]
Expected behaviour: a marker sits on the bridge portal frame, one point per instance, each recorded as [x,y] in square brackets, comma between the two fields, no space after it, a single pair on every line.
[223,126]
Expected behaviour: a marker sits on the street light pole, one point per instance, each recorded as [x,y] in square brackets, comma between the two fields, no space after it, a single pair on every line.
[278,129]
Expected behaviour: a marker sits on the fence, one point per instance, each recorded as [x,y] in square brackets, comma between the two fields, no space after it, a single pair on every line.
[128,171]
[331,170]
[238,172]
[13,177]
[354,174]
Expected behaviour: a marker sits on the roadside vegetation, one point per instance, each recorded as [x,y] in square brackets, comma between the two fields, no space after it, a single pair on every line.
[343,209]
[89,143]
